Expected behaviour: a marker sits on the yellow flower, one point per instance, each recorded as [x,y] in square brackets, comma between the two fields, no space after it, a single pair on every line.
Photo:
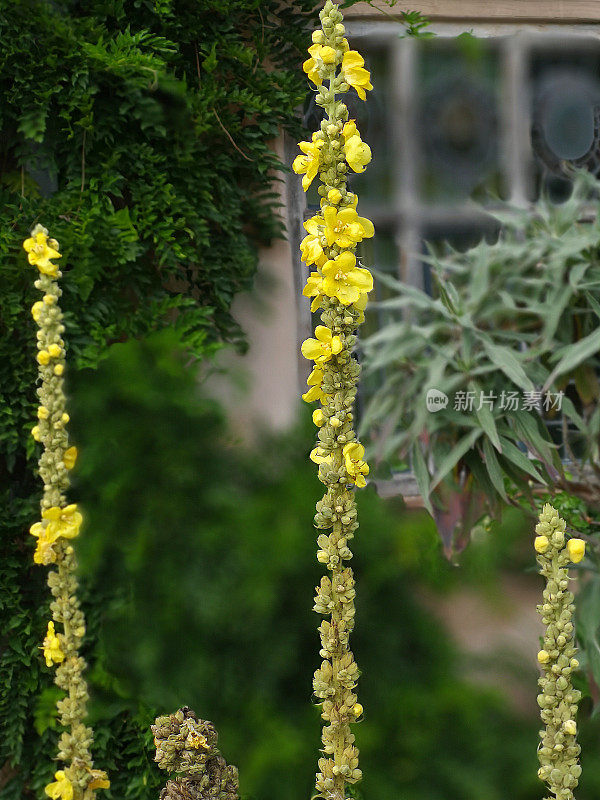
[59,369]
[308,163]
[40,251]
[344,228]
[70,457]
[360,306]
[354,73]
[54,350]
[349,130]
[356,468]
[51,647]
[61,789]
[357,710]
[344,280]
[36,310]
[43,412]
[63,522]
[312,252]
[43,553]
[320,55]
[43,357]
[314,288]
[541,544]
[323,347]
[196,740]
[358,153]
[35,432]
[318,417]
[315,392]
[576,548]
[319,456]
[100,781]
[334,196]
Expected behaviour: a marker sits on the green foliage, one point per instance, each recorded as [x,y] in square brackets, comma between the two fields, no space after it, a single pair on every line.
[199,557]
[414,23]
[137,132]
[520,315]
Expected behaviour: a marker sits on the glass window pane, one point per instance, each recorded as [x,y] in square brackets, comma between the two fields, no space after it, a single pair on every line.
[458,119]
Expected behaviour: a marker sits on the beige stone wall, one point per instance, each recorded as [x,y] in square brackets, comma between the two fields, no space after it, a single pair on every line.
[551,11]
[260,389]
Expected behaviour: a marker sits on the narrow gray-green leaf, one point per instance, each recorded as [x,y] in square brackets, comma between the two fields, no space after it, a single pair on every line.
[421,475]
[494,470]
[509,364]
[456,453]
[574,355]
[519,459]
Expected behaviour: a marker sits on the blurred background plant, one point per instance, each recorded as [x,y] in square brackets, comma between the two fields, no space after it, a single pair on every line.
[199,565]
[517,316]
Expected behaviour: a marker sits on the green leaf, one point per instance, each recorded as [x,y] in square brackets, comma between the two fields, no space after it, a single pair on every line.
[421,475]
[456,453]
[210,62]
[527,429]
[573,355]
[588,622]
[486,419]
[508,363]
[45,712]
[594,303]
[519,459]
[494,470]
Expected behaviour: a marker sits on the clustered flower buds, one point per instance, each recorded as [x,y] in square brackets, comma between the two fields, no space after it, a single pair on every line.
[59,524]
[188,745]
[558,750]
[339,288]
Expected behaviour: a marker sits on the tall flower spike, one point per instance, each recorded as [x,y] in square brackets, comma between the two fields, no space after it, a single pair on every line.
[60,522]
[188,746]
[339,288]
[558,750]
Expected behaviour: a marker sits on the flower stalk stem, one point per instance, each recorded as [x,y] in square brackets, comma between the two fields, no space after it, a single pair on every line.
[59,524]
[339,288]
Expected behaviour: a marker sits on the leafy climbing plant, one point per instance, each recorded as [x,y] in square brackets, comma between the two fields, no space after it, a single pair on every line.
[138,132]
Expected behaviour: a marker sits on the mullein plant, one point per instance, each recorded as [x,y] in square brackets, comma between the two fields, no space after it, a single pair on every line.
[338,288]
[60,523]
[188,746]
[558,750]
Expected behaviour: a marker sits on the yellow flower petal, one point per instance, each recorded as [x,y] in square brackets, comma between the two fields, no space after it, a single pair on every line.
[358,153]
[323,334]
[318,417]
[576,550]
[61,789]
[51,647]
[70,457]
[36,310]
